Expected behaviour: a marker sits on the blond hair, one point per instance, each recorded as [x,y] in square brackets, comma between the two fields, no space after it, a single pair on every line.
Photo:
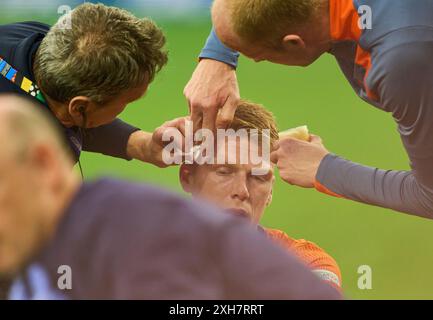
[266,21]
[106,51]
[252,116]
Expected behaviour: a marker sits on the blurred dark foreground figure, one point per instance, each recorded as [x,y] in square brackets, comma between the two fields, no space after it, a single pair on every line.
[63,239]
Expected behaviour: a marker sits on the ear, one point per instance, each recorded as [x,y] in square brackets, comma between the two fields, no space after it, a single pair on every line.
[269,201]
[44,159]
[186,177]
[77,108]
[293,41]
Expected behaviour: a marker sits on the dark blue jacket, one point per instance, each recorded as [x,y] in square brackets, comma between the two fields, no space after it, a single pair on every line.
[128,241]
[18,45]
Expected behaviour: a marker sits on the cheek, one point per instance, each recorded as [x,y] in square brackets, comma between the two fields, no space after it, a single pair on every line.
[12,226]
[214,188]
[260,195]
[10,201]
[104,115]
[17,200]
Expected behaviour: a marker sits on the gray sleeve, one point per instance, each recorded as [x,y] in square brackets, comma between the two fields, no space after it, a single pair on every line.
[404,83]
[214,49]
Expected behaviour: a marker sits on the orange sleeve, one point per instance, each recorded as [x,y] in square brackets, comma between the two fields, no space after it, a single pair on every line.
[321,188]
[322,264]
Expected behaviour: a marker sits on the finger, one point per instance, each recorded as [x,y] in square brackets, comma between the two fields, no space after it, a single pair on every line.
[168,128]
[226,114]
[186,94]
[209,118]
[179,123]
[196,117]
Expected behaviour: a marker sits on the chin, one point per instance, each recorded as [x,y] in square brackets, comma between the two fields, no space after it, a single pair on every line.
[293,63]
[302,64]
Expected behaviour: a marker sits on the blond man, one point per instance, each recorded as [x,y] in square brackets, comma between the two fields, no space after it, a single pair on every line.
[235,188]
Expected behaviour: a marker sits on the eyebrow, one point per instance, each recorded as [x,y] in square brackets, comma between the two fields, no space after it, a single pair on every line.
[237,165]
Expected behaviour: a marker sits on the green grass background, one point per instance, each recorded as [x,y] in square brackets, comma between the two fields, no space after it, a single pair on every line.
[397,247]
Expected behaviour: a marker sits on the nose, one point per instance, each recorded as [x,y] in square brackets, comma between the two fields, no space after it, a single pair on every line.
[240,189]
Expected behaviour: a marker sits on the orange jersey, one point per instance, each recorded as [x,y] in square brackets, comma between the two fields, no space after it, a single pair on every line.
[311,254]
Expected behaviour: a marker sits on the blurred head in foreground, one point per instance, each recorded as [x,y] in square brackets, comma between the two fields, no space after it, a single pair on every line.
[95,61]
[234,186]
[36,181]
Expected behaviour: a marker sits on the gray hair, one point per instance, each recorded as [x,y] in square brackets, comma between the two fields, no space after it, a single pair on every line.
[106,51]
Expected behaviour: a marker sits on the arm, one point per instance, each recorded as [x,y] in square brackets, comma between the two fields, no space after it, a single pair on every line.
[397,190]
[121,140]
[110,139]
[404,85]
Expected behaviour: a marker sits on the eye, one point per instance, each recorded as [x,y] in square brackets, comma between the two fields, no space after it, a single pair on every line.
[223,171]
[262,178]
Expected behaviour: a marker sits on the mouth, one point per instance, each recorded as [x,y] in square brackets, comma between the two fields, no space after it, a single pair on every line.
[239,212]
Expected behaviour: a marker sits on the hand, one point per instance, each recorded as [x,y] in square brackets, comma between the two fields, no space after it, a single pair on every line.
[148,147]
[213,95]
[298,161]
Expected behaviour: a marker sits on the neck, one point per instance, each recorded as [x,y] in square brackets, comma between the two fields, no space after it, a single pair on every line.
[60,111]
[318,30]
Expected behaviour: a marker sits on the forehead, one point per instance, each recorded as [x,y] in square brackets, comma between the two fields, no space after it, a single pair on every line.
[240,153]
[239,142]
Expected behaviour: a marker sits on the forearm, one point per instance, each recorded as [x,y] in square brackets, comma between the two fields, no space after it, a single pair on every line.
[139,145]
[397,190]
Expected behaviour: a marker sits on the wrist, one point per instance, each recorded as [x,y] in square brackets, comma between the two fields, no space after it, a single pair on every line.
[139,146]
[220,63]
[323,168]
